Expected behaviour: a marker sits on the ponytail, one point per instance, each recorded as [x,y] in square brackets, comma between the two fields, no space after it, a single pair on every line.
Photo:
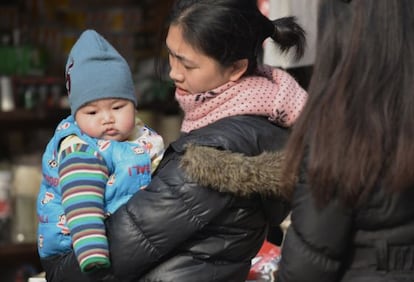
[287,34]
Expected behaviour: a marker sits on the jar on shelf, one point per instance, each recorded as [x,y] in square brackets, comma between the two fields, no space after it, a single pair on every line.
[5,206]
[25,185]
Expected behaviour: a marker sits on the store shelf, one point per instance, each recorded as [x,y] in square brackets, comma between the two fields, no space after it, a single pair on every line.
[19,254]
[10,251]
[25,119]
[18,260]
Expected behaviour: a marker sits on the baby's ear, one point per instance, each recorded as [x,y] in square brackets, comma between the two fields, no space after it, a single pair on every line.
[238,69]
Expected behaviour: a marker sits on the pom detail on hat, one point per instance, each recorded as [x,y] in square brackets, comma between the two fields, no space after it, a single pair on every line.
[95,70]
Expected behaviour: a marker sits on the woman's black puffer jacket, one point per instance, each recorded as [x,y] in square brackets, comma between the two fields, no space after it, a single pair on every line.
[180,228]
[372,242]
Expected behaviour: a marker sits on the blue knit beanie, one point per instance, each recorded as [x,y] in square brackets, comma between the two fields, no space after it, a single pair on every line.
[95,70]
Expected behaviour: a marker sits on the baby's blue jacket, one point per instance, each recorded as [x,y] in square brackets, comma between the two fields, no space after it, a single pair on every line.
[128,164]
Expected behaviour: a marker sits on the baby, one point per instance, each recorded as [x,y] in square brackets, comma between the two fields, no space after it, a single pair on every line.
[97,159]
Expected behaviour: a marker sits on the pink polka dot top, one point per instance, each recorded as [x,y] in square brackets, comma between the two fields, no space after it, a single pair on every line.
[272,93]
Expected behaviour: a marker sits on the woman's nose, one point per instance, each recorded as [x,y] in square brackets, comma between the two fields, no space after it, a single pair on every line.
[175,73]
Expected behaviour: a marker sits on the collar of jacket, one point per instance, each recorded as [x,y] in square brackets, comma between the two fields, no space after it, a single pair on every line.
[235,173]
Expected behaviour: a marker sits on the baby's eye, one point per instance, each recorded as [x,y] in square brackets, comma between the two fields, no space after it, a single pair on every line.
[118,106]
[91,113]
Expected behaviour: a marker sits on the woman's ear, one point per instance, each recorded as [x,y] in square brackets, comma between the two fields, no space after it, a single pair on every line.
[238,69]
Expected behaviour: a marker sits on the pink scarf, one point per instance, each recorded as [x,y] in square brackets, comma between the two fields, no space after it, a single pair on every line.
[274,94]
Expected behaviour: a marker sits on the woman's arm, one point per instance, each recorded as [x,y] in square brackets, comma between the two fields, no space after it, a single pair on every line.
[159,218]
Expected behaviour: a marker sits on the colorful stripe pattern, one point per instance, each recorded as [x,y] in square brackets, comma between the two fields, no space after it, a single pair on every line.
[83,175]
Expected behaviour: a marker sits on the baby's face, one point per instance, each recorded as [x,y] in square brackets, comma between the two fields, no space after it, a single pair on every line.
[109,119]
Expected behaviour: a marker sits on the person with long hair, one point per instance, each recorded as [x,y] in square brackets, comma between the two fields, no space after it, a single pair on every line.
[352,149]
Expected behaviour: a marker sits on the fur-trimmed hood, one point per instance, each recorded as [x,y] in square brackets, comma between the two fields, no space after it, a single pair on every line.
[235,173]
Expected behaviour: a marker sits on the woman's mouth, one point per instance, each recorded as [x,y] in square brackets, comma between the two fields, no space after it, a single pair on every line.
[181,91]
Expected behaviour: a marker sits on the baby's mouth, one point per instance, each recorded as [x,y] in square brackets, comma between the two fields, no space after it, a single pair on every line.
[111,132]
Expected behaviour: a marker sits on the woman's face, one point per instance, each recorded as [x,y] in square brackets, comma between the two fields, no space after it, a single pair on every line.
[191,70]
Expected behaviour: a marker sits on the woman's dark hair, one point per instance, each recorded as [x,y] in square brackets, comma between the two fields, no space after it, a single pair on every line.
[230,30]
[357,129]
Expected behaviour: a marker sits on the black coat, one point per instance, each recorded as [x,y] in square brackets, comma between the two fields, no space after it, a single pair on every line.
[371,242]
[179,229]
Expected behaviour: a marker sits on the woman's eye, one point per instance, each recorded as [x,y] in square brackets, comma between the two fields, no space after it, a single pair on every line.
[189,67]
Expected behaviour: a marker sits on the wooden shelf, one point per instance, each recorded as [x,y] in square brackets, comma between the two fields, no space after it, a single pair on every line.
[17,259]
[26,119]
[21,253]
[11,250]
